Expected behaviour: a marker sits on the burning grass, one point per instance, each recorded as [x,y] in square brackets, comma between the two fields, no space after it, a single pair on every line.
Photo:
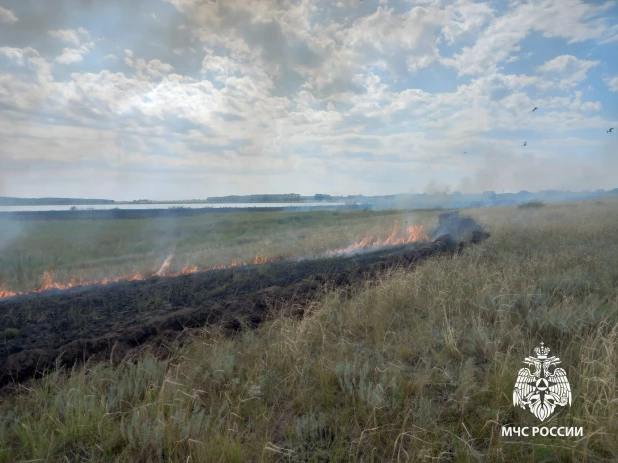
[419,367]
[287,229]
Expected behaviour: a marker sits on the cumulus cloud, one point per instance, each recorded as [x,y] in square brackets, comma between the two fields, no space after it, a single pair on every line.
[571,20]
[29,81]
[7,16]
[410,38]
[66,35]
[72,55]
[18,55]
[464,19]
[612,84]
[567,71]
[280,94]
[144,70]
[76,38]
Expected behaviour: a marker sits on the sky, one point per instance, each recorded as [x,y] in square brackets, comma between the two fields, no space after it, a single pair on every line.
[182,99]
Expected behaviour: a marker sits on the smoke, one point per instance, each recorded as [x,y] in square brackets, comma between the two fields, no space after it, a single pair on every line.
[434,188]
[540,170]
[9,232]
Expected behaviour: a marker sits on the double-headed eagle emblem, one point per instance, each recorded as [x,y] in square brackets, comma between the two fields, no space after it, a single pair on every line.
[541,391]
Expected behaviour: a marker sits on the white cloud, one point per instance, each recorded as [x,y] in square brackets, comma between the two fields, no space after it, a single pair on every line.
[183,51]
[69,56]
[74,55]
[258,88]
[18,54]
[7,16]
[30,83]
[572,20]
[144,70]
[409,39]
[73,36]
[464,19]
[567,71]
[66,36]
[612,84]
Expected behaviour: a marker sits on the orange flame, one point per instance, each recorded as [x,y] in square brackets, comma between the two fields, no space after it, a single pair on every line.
[165,265]
[187,270]
[260,260]
[409,235]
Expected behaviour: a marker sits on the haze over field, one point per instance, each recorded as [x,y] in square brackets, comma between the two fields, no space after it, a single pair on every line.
[186,99]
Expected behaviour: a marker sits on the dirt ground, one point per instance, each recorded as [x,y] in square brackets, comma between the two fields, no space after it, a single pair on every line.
[100,322]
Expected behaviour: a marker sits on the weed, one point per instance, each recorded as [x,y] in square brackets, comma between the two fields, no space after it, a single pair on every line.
[532,205]
[10,333]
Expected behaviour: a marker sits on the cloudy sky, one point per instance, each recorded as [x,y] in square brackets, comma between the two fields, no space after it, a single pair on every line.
[179,99]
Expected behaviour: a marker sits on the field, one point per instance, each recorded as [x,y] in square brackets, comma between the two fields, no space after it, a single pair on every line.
[62,250]
[110,321]
[413,364]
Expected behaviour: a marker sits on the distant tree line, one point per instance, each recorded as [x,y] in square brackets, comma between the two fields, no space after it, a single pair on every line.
[282,198]
[7,201]
[443,199]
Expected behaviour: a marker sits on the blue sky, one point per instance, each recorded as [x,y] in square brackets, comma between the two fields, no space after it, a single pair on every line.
[182,99]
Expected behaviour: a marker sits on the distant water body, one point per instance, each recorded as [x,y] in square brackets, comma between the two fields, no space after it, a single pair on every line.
[99,207]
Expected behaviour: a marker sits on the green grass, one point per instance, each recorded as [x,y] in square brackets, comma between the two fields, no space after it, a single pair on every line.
[96,249]
[418,367]
[10,333]
[531,205]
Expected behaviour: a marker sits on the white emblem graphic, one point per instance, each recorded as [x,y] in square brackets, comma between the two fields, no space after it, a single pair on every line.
[541,391]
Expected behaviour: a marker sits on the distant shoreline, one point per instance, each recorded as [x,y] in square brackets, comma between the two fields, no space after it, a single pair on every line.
[399,201]
[103,214]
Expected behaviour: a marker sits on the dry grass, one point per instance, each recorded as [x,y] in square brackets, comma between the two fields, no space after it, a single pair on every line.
[420,367]
[90,250]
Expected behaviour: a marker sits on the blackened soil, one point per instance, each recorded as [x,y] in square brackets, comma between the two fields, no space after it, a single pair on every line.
[92,323]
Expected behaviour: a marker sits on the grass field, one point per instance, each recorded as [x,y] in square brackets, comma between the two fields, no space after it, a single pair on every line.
[419,367]
[96,249]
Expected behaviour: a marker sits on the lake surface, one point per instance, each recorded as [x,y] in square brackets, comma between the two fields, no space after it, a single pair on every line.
[99,207]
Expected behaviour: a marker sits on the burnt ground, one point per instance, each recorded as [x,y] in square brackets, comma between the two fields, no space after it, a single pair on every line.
[95,322]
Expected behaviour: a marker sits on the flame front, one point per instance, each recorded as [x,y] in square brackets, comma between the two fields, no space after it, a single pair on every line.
[408,235]
[165,265]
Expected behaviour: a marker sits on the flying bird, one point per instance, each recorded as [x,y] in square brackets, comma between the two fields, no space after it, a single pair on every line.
[535,108]
[525,143]
[610,130]
[465,152]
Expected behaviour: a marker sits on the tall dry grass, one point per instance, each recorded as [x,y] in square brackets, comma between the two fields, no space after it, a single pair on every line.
[89,250]
[419,367]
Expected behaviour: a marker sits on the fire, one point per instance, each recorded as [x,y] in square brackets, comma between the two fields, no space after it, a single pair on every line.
[397,237]
[260,260]
[165,265]
[187,270]
[6,293]
[410,234]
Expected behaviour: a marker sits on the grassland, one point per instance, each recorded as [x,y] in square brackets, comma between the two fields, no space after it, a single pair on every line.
[96,249]
[419,367]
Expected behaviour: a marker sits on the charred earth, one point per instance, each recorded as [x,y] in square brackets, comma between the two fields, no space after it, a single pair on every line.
[103,322]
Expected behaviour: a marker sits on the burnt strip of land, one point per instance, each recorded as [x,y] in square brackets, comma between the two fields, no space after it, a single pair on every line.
[90,323]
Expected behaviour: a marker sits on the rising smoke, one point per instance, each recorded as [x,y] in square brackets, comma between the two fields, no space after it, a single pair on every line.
[538,170]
